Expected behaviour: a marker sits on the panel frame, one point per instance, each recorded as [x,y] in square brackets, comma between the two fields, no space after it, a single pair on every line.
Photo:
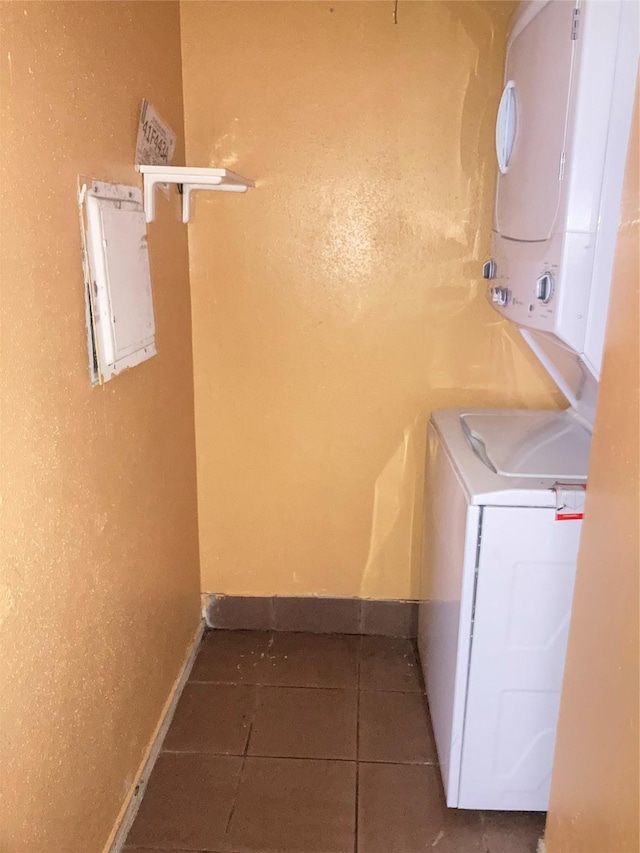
[98,205]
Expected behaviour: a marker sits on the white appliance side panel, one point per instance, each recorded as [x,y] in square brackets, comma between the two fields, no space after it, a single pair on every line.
[526,575]
[539,64]
[448,576]
[620,118]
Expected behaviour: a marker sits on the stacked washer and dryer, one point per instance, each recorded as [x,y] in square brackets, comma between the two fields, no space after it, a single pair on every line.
[505,489]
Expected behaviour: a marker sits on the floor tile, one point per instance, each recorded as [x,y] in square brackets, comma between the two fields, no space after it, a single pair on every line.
[296,789]
[512,832]
[395,727]
[401,809]
[312,660]
[291,806]
[188,802]
[231,657]
[303,722]
[212,718]
[389,663]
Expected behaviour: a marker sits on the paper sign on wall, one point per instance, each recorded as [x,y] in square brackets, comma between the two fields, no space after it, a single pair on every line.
[156,141]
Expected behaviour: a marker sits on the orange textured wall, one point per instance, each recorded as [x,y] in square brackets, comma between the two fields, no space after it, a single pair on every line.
[341,301]
[99,563]
[595,794]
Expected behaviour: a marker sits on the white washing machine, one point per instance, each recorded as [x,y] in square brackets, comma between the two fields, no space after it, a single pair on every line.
[504,489]
[501,545]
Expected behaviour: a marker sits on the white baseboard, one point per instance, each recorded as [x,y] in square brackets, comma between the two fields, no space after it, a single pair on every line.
[542,847]
[131,804]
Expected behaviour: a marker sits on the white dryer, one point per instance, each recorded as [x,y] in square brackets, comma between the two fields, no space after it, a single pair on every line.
[561,139]
[501,541]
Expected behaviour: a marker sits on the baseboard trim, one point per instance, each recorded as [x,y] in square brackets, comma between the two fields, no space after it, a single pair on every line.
[132,802]
[317,614]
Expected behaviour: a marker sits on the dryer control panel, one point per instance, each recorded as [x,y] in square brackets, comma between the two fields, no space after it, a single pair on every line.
[527,286]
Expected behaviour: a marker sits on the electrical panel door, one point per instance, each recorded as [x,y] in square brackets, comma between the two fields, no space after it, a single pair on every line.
[118,279]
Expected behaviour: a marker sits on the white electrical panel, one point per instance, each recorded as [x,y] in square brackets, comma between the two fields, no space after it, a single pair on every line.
[120,320]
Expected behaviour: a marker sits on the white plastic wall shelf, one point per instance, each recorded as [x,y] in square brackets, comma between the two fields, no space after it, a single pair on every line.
[189,179]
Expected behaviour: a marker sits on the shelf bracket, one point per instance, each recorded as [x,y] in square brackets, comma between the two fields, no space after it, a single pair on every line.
[221,180]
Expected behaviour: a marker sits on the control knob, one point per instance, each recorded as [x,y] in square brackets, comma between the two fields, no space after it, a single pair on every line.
[489,269]
[499,296]
[544,288]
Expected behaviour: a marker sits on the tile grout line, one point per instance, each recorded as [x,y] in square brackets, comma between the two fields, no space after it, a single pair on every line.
[254,712]
[242,768]
[244,763]
[305,686]
[291,686]
[299,758]
[235,801]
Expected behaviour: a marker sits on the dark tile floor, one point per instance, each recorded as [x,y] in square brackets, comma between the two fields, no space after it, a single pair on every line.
[309,743]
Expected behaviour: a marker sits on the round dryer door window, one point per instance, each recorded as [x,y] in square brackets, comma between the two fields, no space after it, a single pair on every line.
[532,122]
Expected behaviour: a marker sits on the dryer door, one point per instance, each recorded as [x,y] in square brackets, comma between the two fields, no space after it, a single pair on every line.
[532,123]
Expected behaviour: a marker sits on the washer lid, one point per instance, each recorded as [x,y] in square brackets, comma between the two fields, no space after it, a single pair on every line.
[536,444]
